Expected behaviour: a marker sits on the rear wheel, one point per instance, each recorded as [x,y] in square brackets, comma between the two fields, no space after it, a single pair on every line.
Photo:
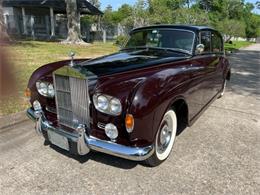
[164,140]
[223,88]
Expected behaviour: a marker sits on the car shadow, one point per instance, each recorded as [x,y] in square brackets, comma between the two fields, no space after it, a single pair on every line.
[96,156]
[245,71]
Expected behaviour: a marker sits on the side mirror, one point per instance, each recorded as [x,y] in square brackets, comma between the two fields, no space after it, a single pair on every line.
[200,48]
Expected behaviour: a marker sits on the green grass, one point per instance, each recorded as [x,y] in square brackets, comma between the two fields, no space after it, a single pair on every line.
[27,56]
[236,45]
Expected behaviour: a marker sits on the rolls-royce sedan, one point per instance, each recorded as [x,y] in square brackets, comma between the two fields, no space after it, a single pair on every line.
[133,103]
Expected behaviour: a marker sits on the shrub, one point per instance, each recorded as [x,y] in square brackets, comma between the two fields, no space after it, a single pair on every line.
[120,40]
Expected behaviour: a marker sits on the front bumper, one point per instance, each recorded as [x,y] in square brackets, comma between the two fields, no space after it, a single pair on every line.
[81,143]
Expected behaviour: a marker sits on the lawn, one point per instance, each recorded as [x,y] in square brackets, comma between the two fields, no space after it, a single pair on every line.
[236,45]
[27,56]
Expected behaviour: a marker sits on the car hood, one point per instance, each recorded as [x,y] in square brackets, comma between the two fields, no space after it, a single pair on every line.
[129,60]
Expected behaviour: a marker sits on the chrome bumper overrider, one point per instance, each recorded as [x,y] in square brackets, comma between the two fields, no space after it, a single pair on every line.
[83,143]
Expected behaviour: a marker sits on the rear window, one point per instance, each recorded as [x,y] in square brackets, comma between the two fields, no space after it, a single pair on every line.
[206,40]
[217,43]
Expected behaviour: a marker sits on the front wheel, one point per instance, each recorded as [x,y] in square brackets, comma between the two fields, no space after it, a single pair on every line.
[164,140]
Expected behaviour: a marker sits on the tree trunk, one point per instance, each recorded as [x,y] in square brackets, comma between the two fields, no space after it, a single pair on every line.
[73,16]
[3,31]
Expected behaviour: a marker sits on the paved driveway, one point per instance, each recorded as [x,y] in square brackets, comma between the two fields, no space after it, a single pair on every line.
[219,154]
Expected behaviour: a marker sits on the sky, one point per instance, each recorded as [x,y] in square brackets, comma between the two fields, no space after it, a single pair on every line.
[117,3]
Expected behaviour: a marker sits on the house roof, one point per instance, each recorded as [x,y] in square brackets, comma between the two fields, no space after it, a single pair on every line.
[59,6]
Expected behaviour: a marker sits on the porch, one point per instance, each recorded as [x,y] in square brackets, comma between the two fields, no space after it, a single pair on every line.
[42,19]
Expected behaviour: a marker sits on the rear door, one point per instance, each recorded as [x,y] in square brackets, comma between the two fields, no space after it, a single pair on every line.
[218,52]
[204,82]
[210,61]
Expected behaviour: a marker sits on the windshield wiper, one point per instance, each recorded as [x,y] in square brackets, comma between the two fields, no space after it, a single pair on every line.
[158,48]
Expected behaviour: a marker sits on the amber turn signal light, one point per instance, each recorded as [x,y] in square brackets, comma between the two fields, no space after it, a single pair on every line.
[27,93]
[129,123]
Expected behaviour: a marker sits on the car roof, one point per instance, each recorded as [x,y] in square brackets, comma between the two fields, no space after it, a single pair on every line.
[185,27]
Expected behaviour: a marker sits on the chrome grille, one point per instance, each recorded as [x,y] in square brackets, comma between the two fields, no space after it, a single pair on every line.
[72,100]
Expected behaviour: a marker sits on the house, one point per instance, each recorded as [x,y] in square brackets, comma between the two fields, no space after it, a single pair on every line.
[41,18]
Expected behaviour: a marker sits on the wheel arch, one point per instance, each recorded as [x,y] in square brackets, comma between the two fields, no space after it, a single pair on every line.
[228,75]
[182,112]
[180,106]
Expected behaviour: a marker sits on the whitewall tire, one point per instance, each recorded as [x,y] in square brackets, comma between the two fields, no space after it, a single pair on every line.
[165,138]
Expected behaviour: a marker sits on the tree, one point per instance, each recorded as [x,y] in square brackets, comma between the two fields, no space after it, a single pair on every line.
[73,25]
[253,26]
[191,16]
[107,20]
[161,11]
[236,9]
[205,5]
[257,4]
[251,20]
[233,18]
[189,2]
[96,3]
[140,15]
[122,13]
[232,28]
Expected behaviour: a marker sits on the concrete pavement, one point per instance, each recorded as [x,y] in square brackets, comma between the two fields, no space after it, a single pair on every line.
[219,154]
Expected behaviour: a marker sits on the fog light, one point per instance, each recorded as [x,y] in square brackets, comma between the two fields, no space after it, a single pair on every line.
[37,106]
[111,131]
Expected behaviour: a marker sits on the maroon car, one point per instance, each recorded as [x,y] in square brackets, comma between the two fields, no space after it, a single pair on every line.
[132,103]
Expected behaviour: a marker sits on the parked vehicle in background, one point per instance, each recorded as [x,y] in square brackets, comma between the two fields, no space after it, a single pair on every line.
[132,103]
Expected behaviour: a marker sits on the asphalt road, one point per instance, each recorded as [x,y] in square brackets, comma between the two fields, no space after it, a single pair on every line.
[219,154]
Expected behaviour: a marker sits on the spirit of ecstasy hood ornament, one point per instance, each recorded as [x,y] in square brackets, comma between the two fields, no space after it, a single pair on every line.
[72,54]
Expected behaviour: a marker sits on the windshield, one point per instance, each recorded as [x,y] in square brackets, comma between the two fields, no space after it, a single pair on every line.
[180,40]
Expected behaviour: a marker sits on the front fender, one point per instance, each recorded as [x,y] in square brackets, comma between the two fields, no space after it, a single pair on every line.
[152,99]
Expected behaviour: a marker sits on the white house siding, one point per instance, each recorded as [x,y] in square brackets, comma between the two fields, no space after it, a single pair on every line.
[8,15]
[8,10]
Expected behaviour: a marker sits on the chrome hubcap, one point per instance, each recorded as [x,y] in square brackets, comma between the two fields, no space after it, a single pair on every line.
[165,135]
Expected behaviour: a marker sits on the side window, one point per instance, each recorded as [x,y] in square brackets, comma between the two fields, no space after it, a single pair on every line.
[217,44]
[205,39]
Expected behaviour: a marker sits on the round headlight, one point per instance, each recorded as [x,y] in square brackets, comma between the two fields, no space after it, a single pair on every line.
[42,88]
[107,104]
[115,106]
[102,102]
[111,131]
[51,90]
[46,89]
